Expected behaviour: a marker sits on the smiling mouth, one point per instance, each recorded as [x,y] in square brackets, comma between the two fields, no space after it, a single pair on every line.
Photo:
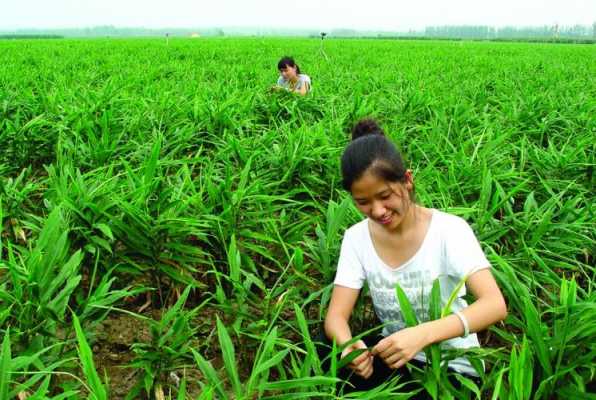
[386,219]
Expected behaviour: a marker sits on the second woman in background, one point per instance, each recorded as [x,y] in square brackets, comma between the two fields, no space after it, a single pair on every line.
[291,78]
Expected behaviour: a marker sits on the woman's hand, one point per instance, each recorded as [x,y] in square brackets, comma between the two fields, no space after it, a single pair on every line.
[363,364]
[399,348]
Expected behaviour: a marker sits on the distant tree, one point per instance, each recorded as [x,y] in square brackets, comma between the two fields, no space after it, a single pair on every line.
[323,34]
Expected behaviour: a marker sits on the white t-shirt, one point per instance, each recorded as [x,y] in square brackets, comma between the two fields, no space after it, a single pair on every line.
[449,251]
[303,79]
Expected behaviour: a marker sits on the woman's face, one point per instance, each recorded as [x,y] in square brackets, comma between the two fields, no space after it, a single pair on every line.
[385,203]
[288,73]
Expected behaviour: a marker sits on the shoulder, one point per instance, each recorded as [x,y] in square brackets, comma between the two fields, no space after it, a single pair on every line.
[454,231]
[280,80]
[304,78]
[447,222]
[357,232]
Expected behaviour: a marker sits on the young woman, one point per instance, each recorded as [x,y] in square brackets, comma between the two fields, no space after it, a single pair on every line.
[403,242]
[291,78]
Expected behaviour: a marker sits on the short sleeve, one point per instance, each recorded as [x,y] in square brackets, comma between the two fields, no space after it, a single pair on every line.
[305,79]
[280,81]
[350,272]
[462,249]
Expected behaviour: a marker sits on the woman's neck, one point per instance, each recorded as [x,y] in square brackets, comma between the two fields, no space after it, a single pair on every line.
[409,221]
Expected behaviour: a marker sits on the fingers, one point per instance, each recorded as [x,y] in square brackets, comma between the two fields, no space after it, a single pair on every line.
[380,347]
[397,360]
[364,368]
[392,355]
[388,352]
[360,363]
[360,366]
[399,363]
[385,349]
[361,358]
[368,371]
[392,359]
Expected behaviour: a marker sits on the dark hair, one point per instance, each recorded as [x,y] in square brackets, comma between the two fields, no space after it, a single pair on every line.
[371,151]
[366,126]
[287,62]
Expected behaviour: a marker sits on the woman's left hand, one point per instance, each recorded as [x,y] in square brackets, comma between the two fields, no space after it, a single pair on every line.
[399,348]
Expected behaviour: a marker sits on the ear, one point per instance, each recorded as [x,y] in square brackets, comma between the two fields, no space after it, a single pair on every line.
[409,180]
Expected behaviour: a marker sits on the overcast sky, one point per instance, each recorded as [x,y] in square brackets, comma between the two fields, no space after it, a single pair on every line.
[394,15]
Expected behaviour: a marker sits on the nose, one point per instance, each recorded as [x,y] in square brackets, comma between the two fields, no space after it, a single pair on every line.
[378,210]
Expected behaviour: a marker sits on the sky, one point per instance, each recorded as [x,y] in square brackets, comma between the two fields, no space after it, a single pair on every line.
[385,15]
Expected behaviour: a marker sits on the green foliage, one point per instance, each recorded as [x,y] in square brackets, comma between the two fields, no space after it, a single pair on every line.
[96,387]
[128,166]
[40,282]
[169,348]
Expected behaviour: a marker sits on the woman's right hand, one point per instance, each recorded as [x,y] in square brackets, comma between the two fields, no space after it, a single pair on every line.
[363,364]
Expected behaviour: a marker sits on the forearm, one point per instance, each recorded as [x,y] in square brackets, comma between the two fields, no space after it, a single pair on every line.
[480,315]
[336,327]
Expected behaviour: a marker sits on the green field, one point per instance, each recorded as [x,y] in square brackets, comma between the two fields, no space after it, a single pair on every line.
[169,226]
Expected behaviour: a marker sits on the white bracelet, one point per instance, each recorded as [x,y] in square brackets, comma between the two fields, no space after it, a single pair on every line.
[464,322]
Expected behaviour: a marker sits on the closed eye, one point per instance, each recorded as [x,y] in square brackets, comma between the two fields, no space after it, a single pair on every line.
[384,195]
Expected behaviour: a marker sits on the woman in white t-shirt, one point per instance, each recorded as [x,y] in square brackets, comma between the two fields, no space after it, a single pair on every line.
[290,77]
[403,242]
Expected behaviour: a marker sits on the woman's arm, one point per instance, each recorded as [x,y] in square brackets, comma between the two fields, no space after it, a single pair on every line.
[337,327]
[489,307]
[341,305]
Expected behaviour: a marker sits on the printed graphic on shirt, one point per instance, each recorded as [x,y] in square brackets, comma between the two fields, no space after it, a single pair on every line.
[416,288]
